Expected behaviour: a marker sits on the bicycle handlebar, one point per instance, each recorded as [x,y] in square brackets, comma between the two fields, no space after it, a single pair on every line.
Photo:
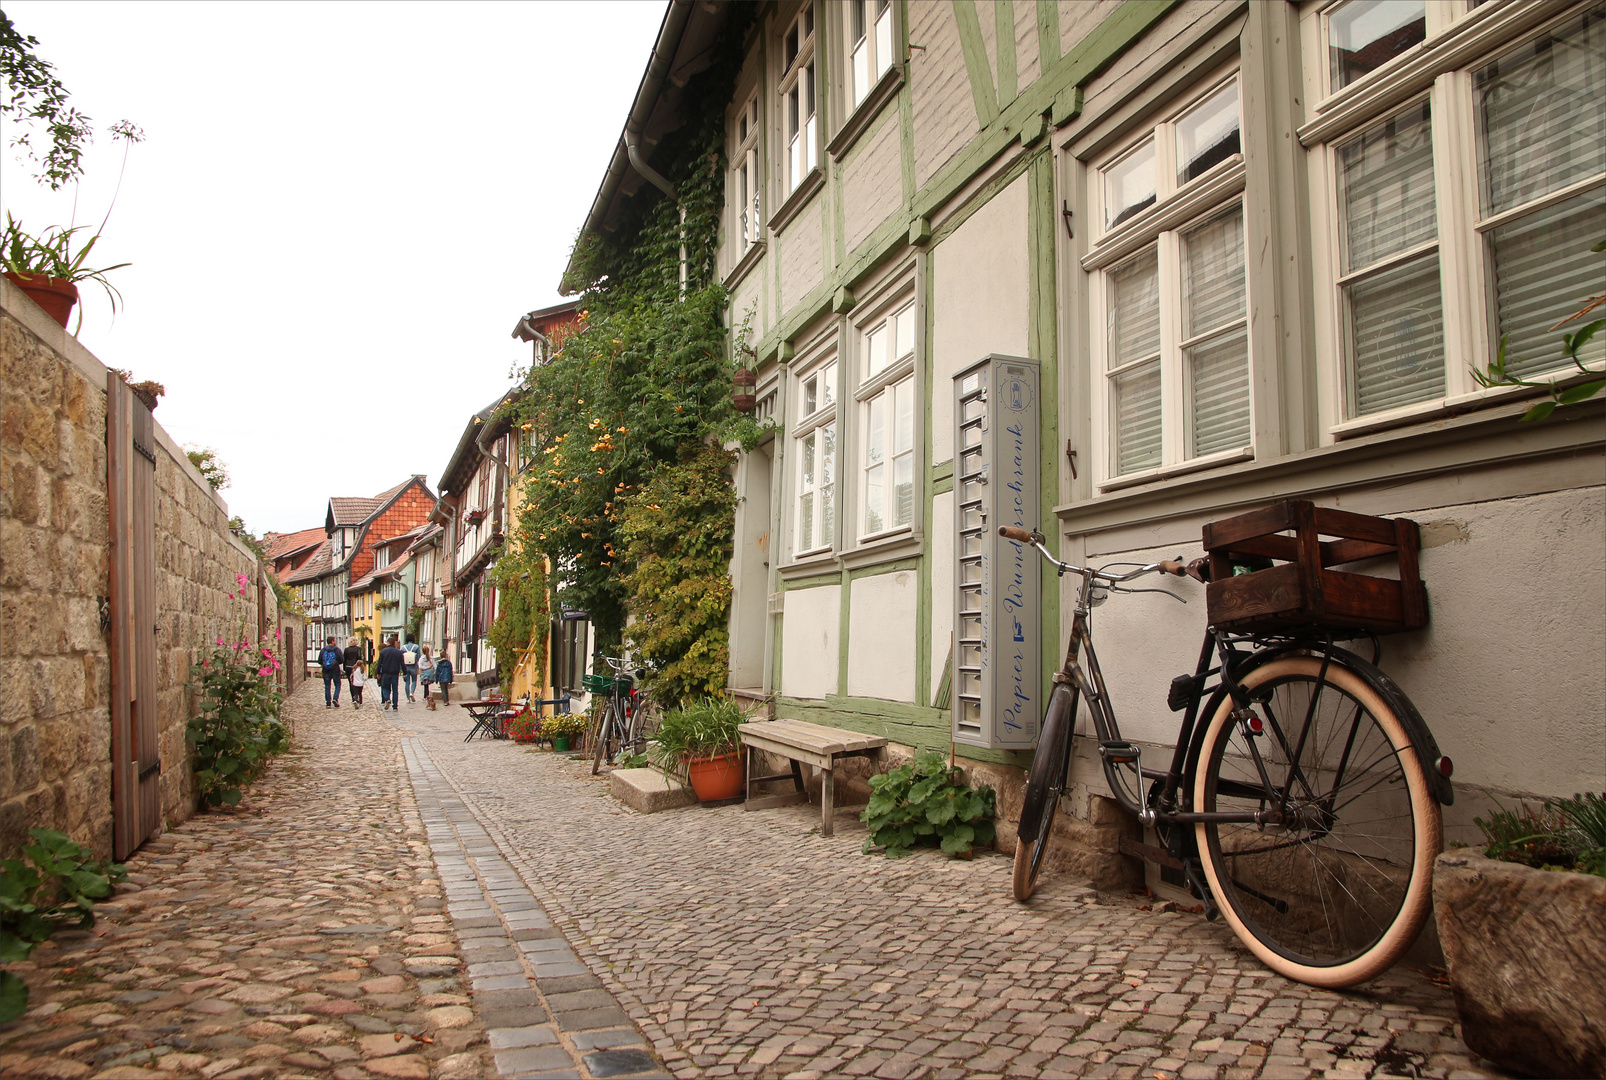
[1037,539]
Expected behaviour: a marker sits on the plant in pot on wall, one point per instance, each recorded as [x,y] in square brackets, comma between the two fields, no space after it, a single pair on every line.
[48,270]
[562,729]
[1523,925]
[699,741]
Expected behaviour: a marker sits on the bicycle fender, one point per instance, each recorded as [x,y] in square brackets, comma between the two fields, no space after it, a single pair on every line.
[1416,728]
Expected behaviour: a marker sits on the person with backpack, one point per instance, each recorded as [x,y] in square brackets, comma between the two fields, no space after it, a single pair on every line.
[410,667]
[443,676]
[329,662]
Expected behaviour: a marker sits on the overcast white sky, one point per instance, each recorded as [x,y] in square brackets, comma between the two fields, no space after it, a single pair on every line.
[338,215]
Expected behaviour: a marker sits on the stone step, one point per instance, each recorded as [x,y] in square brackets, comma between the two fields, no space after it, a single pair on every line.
[648,791]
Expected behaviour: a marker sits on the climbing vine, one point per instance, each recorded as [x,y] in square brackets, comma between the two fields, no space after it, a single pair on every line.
[621,412]
[522,610]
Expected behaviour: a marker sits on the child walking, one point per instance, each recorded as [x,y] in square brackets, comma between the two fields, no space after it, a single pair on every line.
[358,678]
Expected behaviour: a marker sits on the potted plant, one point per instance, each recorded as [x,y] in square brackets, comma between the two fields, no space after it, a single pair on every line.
[562,729]
[523,727]
[699,741]
[47,269]
[1523,926]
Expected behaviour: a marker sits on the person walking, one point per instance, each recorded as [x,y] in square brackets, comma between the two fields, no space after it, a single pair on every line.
[352,660]
[443,676]
[359,678]
[410,667]
[426,672]
[329,659]
[391,662]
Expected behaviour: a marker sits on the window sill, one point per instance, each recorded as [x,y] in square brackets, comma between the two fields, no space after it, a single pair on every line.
[1428,410]
[886,547]
[1181,468]
[795,202]
[744,265]
[866,112]
[809,565]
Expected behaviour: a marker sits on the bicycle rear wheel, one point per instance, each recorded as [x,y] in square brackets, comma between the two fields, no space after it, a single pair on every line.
[644,724]
[1041,799]
[1334,892]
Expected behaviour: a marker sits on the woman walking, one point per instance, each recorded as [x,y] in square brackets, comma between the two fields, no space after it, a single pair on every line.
[426,674]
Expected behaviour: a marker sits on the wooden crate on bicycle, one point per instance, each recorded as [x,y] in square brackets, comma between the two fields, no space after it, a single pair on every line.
[1271,570]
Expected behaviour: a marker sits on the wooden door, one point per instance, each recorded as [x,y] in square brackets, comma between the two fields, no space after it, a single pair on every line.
[131,491]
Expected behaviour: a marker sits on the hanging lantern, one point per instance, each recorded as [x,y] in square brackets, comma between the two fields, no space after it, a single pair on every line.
[744,385]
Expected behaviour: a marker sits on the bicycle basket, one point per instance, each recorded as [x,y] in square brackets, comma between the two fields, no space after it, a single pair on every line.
[597,684]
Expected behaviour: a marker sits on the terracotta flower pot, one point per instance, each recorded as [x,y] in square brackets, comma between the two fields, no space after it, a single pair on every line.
[56,295]
[716,778]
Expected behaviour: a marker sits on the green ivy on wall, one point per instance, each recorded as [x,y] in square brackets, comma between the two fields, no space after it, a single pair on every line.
[620,415]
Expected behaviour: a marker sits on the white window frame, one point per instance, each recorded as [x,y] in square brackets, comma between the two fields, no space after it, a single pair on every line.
[1177,208]
[896,375]
[1460,40]
[747,185]
[800,141]
[826,372]
[870,35]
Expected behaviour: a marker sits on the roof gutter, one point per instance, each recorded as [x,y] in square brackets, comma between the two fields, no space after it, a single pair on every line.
[652,83]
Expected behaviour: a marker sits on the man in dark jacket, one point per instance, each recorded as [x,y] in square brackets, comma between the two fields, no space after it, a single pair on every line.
[329,658]
[390,666]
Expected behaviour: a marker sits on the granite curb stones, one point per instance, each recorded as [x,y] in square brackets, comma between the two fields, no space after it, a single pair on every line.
[546,1014]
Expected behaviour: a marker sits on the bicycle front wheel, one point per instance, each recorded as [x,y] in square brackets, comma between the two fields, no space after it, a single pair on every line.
[1334,888]
[600,747]
[1041,798]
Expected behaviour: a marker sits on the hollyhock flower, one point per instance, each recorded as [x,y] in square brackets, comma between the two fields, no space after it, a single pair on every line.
[241,578]
[264,671]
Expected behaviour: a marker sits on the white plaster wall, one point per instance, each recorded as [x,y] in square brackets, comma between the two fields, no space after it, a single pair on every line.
[1028,58]
[1079,17]
[939,89]
[980,300]
[941,533]
[872,179]
[1510,675]
[881,620]
[801,249]
[810,632]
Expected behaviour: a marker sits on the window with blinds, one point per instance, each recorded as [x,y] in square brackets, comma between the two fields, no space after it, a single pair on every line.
[1390,261]
[1215,346]
[1541,112]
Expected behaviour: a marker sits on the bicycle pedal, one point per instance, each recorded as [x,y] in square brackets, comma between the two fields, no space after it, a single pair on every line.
[1119,753]
[1199,888]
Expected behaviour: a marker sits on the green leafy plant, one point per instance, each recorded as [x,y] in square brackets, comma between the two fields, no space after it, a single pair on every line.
[633,761]
[211,467]
[51,254]
[563,725]
[522,607]
[1560,834]
[238,729]
[59,889]
[926,801]
[704,728]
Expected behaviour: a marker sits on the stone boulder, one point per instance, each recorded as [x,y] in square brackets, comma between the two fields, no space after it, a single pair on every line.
[1526,950]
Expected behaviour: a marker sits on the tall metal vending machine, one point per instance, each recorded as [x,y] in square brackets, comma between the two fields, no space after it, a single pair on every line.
[997,596]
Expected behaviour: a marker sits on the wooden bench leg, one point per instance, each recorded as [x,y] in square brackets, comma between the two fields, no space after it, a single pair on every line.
[827,798]
[797,776]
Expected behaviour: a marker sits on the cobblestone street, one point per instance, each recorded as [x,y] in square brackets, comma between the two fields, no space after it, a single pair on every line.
[397,902]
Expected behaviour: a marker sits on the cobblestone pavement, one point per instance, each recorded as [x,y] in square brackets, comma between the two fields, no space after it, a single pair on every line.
[307,935]
[748,945]
[398,903]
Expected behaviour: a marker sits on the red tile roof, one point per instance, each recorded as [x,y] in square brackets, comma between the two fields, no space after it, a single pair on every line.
[313,568]
[286,544]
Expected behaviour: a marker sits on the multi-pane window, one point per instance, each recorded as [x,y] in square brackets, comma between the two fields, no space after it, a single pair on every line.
[745,176]
[887,407]
[869,44]
[816,454]
[1516,260]
[1175,346]
[799,95]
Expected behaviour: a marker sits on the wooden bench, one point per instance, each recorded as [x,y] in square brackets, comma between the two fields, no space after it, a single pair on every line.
[803,744]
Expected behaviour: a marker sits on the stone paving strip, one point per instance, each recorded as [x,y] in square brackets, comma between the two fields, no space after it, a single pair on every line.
[306,935]
[746,945]
[546,1013]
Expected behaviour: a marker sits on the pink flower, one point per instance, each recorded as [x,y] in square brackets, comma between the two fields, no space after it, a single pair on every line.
[229,595]
[241,578]
[267,652]
[220,641]
[206,663]
[264,671]
[276,634]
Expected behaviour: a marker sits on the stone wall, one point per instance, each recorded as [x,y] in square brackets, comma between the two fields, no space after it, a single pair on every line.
[55,737]
[55,733]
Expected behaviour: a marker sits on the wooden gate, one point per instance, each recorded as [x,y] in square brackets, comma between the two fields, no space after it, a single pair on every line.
[131,490]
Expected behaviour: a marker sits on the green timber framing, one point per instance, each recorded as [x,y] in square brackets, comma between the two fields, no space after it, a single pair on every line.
[1052,100]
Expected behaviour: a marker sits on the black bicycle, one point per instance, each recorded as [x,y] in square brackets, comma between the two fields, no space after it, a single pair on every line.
[1302,800]
[625,718]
